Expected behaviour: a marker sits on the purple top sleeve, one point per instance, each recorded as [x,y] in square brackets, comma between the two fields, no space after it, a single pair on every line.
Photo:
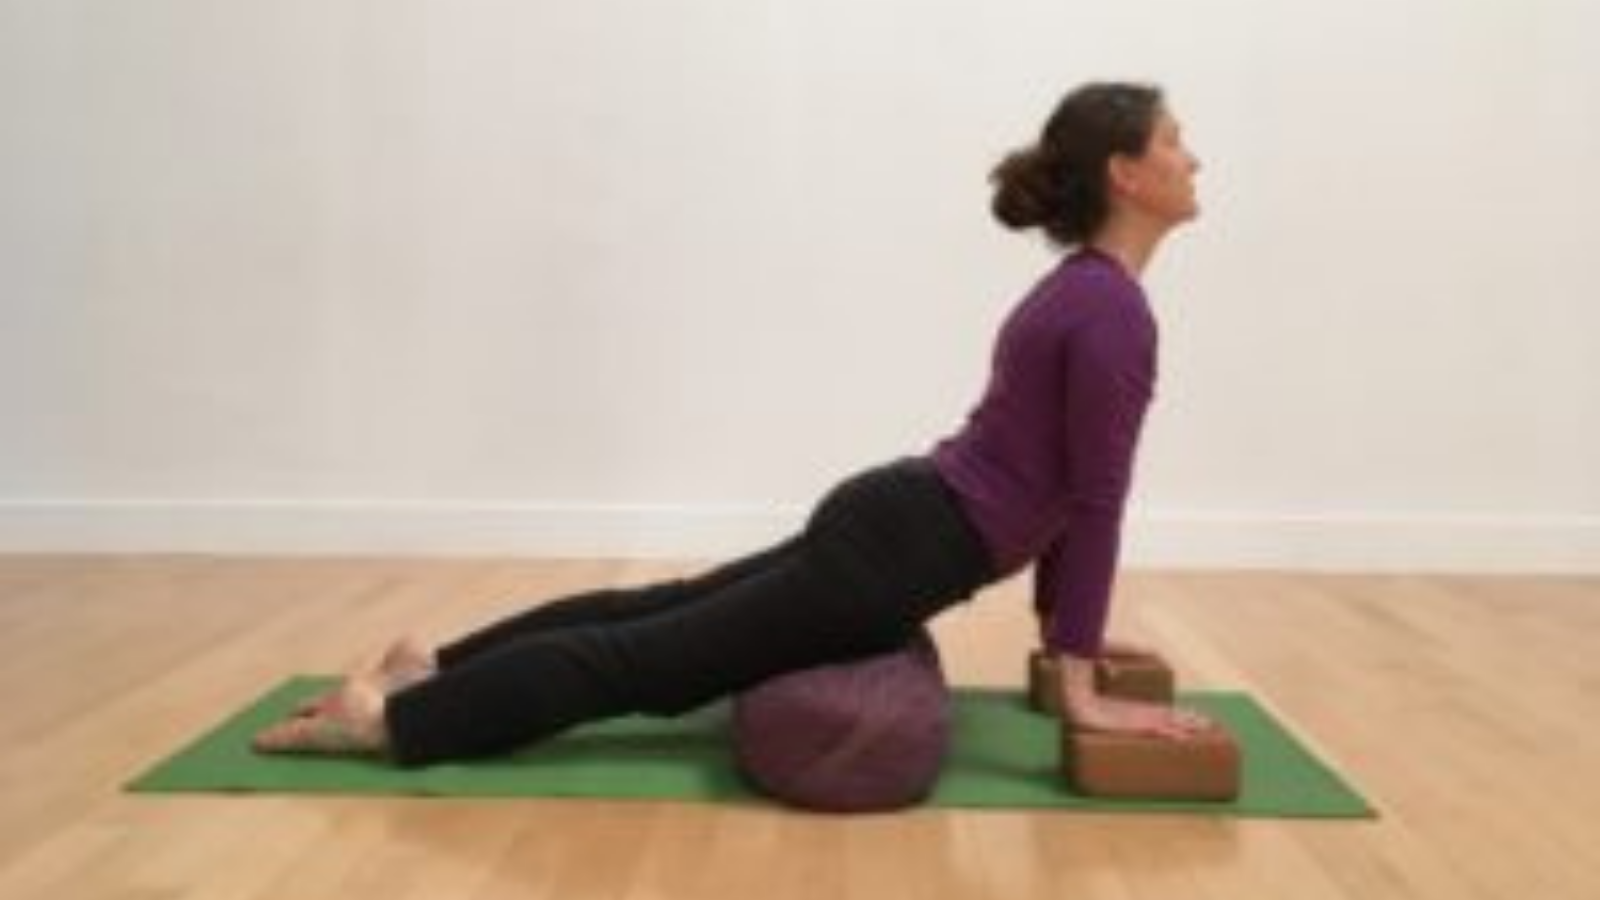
[1044,463]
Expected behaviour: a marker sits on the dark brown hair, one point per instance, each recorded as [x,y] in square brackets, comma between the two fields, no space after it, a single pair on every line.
[1059,183]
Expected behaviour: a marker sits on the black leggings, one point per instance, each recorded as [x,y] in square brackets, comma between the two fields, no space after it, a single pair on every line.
[882,553]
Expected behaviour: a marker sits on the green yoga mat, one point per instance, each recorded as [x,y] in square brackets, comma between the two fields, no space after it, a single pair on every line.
[1003,755]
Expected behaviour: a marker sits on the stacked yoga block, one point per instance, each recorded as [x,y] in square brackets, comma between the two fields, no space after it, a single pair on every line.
[1201,767]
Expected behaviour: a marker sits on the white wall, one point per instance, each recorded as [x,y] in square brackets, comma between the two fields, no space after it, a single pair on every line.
[640,277]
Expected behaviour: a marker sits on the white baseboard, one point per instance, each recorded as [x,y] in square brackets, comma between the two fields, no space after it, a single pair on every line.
[1368,541]
[1239,539]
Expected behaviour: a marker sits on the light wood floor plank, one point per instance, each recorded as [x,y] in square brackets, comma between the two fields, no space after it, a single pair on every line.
[1463,706]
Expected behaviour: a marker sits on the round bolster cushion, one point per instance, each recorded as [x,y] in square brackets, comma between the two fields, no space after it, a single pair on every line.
[862,736]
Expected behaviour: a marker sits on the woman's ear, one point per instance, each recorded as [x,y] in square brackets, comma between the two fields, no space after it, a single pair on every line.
[1122,175]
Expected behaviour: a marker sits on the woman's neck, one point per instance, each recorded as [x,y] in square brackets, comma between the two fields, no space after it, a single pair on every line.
[1130,241]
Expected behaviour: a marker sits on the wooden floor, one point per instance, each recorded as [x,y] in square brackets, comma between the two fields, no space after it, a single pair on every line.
[1467,709]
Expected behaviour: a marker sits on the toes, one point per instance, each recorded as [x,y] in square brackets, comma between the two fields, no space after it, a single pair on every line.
[318,733]
[284,737]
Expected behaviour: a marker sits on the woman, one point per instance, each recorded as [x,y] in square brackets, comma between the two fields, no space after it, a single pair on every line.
[1039,474]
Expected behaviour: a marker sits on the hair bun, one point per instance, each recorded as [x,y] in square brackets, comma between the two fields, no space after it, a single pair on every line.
[1027,193]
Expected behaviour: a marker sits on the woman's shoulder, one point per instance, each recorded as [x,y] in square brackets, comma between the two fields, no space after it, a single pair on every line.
[1089,289]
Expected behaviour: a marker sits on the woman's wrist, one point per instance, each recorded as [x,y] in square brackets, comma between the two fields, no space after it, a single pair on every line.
[1076,674]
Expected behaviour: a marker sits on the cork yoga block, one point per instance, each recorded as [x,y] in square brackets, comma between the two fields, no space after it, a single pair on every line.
[1202,767]
[1144,677]
[1127,677]
[1044,690]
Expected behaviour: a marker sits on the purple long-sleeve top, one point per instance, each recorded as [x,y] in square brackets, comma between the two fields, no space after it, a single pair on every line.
[1044,462]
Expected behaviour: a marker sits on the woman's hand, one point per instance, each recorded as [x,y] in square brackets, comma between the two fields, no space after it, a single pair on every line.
[1113,716]
[1086,708]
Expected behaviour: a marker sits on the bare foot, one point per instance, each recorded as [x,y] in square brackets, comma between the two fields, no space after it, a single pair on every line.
[407,662]
[348,721]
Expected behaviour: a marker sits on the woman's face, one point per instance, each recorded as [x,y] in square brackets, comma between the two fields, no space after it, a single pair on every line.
[1160,181]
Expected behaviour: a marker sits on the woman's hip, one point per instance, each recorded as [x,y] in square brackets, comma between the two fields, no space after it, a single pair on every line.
[897,528]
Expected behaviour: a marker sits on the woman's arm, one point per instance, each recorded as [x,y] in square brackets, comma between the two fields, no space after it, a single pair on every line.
[1107,380]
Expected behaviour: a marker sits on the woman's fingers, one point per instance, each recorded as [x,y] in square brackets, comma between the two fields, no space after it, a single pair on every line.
[1176,723]
[1188,723]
